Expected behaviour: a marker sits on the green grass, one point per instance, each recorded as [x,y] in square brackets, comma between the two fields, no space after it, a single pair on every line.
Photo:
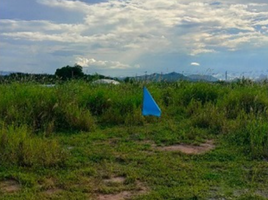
[223,172]
[19,147]
[64,142]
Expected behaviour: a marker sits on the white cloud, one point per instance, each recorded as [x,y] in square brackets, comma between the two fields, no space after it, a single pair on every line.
[10,25]
[131,29]
[85,62]
[66,4]
[117,24]
[195,64]
[195,52]
[262,22]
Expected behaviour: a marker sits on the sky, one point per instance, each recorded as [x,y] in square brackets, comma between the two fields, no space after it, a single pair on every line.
[134,37]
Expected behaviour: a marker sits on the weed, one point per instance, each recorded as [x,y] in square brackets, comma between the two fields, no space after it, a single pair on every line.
[19,147]
[105,135]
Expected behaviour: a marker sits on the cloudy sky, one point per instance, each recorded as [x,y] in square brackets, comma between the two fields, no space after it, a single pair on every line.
[131,37]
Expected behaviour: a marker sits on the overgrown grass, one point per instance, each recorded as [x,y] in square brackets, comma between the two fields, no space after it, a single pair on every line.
[44,109]
[19,147]
[80,106]
[71,137]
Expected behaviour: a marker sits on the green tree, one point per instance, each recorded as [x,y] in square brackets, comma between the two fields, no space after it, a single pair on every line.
[128,80]
[69,72]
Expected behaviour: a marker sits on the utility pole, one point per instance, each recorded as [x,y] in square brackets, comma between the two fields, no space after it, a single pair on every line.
[226,76]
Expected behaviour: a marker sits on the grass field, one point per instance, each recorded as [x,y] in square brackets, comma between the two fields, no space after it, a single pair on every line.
[82,141]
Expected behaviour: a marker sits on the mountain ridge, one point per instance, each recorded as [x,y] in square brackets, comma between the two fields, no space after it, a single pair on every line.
[174,76]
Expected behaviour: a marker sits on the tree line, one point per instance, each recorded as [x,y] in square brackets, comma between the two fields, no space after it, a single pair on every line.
[61,74]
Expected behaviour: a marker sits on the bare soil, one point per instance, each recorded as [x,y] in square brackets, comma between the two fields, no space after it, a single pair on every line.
[52,191]
[9,186]
[118,179]
[141,189]
[120,196]
[190,149]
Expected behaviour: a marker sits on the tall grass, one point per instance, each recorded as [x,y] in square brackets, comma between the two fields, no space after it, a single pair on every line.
[247,99]
[77,105]
[19,147]
[43,109]
[250,133]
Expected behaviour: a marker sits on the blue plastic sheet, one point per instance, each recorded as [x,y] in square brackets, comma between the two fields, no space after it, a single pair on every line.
[150,107]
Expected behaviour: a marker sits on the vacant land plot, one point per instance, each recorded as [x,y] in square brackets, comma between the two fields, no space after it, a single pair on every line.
[76,141]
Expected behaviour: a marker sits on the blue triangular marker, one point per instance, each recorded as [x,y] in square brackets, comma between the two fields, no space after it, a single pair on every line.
[150,107]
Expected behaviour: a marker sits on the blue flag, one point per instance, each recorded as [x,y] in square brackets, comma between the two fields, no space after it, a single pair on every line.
[150,107]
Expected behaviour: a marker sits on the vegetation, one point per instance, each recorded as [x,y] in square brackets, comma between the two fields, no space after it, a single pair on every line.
[61,75]
[70,140]
[69,72]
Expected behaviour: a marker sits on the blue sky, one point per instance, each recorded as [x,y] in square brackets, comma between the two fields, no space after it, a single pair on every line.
[129,37]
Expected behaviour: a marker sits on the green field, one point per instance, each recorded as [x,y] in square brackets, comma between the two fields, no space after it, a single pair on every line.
[82,141]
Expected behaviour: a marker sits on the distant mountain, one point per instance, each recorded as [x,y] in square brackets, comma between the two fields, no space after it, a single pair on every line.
[208,78]
[6,73]
[261,78]
[173,76]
